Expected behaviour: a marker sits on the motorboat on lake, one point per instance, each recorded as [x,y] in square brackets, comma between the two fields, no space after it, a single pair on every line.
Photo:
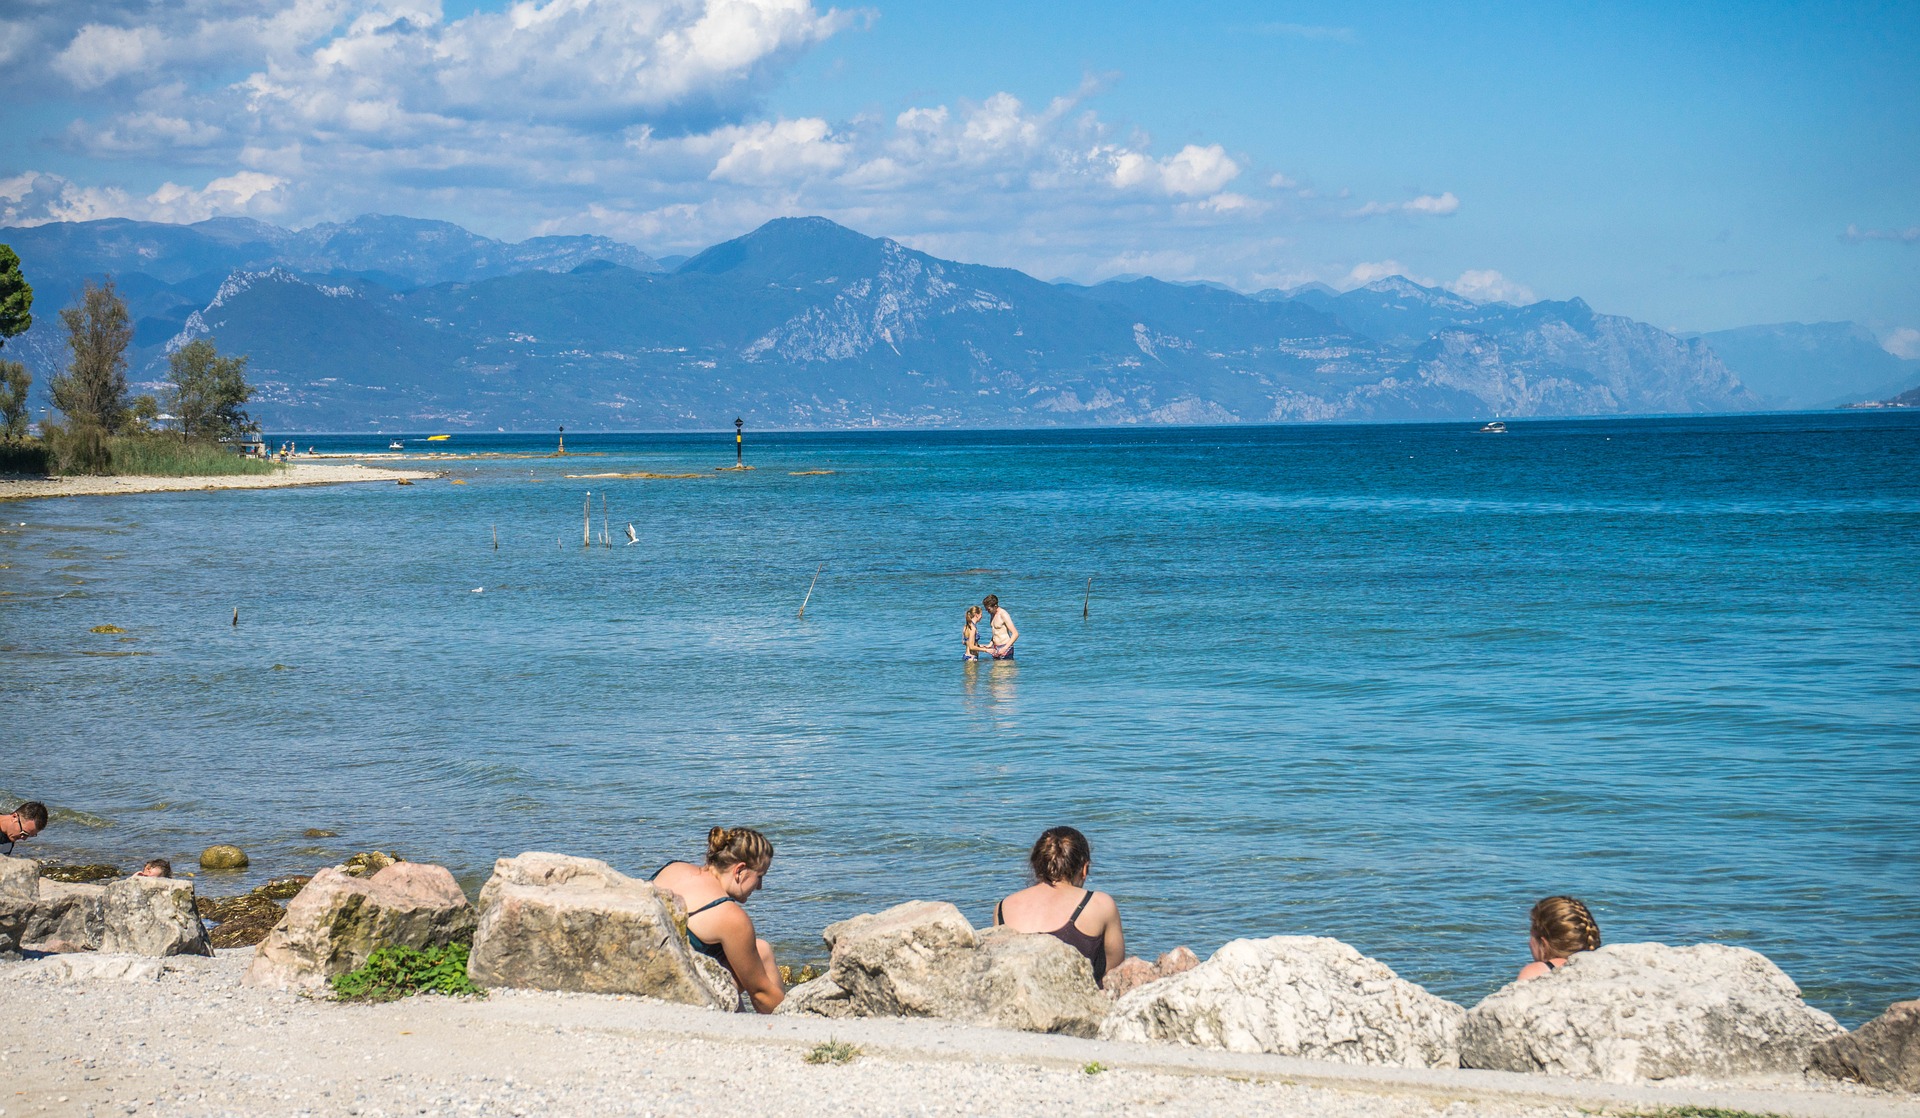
[1495,428]
[396,445]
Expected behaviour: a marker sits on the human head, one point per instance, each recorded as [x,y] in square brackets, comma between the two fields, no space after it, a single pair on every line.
[159,867]
[991,601]
[1062,854]
[739,856]
[1563,926]
[973,613]
[31,818]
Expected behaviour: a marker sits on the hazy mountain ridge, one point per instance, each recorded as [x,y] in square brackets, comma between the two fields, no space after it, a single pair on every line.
[803,323]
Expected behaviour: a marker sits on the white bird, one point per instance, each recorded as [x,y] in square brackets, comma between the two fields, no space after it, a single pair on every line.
[479,590]
[633,537]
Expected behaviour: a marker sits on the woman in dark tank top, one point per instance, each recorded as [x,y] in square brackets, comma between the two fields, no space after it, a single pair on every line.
[1060,905]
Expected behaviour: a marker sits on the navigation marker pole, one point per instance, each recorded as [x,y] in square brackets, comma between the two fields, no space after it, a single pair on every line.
[586,529]
[810,586]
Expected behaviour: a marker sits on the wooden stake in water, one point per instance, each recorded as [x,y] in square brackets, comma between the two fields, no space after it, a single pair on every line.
[810,586]
[606,537]
[236,617]
[586,529]
[496,537]
[1084,602]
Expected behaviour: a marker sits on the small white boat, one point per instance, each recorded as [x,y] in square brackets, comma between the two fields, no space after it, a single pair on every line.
[396,445]
[1495,428]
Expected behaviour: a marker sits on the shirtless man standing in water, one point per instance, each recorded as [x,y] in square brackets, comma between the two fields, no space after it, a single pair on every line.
[1004,631]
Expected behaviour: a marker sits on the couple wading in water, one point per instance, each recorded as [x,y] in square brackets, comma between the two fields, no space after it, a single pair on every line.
[1057,904]
[999,621]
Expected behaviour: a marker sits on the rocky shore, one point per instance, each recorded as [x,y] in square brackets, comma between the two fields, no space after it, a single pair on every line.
[596,1005]
[295,474]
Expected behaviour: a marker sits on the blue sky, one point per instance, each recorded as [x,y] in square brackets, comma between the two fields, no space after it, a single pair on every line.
[1697,166]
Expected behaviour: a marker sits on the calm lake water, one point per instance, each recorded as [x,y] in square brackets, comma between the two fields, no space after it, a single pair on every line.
[1385,683]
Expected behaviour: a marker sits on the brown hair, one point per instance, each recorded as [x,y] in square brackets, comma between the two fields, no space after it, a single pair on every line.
[973,613]
[991,601]
[738,846]
[1061,854]
[165,867]
[1565,926]
[34,812]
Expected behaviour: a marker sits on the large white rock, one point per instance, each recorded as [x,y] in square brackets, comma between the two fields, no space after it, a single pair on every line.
[923,959]
[67,917]
[337,920]
[152,916]
[1632,1011]
[554,922]
[1298,996]
[91,967]
[19,890]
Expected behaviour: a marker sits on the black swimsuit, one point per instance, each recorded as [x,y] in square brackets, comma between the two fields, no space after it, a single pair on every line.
[1093,947]
[713,951]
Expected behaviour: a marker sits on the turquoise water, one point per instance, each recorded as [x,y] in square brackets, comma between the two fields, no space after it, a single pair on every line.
[1385,683]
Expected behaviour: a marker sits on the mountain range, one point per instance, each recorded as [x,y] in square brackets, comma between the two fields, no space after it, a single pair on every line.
[388,323]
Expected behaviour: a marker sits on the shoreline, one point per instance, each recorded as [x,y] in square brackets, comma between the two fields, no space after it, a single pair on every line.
[196,1041]
[296,474]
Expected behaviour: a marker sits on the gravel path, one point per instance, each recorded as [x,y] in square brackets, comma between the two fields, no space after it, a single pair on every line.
[196,1042]
[298,473]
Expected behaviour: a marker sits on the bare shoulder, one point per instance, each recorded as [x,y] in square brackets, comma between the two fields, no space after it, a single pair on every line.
[1533,970]
[1103,904]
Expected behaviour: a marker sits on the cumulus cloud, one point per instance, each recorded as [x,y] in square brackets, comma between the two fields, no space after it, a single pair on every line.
[1366,273]
[1488,286]
[1426,205]
[36,198]
[780,151]
[1903,342]
[1909,235]
[1193,170]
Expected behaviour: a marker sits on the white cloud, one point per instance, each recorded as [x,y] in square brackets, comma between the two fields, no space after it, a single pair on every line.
[100,53]
[1427,205]
[1193,170]
[1903,342]
[1488,286]
[1909,235]
[36,198]
[1281,182]
[781,151]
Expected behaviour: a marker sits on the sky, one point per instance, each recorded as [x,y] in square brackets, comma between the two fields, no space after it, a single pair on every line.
[1698,166]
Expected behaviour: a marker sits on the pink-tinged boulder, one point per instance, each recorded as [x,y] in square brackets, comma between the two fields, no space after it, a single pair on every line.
[337,920]
[152,916]
[1136,972]
[1178,961]
[1883,1053]
[555,922]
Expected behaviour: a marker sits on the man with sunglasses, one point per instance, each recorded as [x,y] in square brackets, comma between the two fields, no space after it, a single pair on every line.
[23,822]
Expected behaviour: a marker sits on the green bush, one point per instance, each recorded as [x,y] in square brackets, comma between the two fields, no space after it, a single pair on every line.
[169,456]
[392,973]
[24,458]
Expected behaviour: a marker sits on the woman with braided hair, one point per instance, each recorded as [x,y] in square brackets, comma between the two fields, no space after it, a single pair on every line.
[717,924]
[1562,927]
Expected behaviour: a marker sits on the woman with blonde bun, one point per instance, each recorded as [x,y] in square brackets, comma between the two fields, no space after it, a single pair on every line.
[1060,905]
[1561,928]
[717,924]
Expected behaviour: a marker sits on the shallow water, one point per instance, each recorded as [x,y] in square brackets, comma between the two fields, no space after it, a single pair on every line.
[1385,683]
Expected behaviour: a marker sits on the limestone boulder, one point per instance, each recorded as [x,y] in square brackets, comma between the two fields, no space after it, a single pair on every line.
[19,890]
[1883,1053]
[337,920]
[923,959]
[93,967]
[151,916]
[554,922]
[1135,972]
[67,918]
[1633,1011]
[1303,996]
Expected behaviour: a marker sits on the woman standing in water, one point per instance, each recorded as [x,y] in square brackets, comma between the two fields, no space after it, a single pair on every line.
[717,923]
[1060,905]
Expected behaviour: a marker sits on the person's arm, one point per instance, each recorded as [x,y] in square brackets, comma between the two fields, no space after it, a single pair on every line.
[742,950]
[1013,631]
[1116,937]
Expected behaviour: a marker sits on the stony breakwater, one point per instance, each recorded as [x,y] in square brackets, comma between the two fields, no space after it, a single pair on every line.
[1626,1013]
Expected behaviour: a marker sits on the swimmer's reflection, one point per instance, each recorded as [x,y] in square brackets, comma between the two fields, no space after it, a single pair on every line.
[1000,677]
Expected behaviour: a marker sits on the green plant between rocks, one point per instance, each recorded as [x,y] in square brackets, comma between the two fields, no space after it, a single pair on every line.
[1094,1068]
[833,1052]
[396,972]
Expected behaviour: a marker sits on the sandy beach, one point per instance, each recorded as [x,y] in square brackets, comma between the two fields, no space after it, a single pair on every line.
[195,1041]
[295,474]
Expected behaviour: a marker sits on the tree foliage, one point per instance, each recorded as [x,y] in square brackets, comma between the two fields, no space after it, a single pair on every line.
[14,382]
[16,297]
[93,390]
[208,391]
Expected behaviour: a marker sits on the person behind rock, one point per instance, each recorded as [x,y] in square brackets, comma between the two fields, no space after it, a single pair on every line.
[159,867]
[22,823]
[717,923]
[1562,927]
[1060,905]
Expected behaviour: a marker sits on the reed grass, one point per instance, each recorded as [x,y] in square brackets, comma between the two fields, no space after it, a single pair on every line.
[160,456]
